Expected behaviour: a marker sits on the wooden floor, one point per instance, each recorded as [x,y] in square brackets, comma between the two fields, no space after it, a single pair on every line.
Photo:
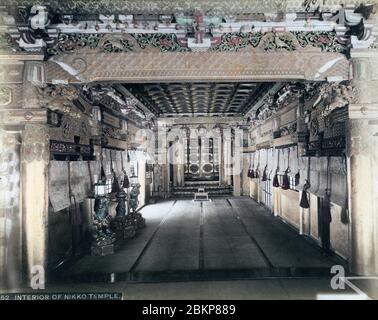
[228,238]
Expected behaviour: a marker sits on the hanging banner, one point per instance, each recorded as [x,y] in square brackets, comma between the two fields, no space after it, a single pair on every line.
[106,162]
[338,181]
[95,170]
[293,161]
[314,175]
[80,180]
[304,171]
[117,162]
[58,185]
[270,162]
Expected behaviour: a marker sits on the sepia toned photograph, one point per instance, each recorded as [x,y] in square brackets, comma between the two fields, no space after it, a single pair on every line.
[192,153]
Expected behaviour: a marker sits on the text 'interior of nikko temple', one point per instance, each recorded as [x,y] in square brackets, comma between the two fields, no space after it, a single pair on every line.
[158,141]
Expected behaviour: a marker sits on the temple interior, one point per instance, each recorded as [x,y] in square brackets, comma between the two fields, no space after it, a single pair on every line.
[150,145]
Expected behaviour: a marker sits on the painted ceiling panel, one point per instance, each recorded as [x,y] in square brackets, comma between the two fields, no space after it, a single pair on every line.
[200,98]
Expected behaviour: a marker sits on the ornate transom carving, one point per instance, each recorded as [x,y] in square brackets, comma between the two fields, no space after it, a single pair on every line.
[266,42]
[60,98]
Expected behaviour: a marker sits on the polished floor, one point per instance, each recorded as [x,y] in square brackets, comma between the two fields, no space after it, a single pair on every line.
[227,238]
[233,245]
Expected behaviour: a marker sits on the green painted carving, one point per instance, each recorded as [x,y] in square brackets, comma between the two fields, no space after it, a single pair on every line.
[326,41]
[72,42]
[164,41]
[184,6]
[237,40]
[117,45]
[283,41]
[168,42]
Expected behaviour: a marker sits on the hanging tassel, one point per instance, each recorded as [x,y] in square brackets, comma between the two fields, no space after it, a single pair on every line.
[304,203]
[297,178]
[276,183]
[264,177]
[251,174]
[285,182]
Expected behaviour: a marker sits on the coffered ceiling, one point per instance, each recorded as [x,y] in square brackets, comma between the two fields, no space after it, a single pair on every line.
[172,99]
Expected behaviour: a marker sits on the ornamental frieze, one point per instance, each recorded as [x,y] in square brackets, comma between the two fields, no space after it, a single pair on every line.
[168,42]
[280,41]
[110,132]
[214,7]
[61,147]
[202,66]
[45,28]
[71,127]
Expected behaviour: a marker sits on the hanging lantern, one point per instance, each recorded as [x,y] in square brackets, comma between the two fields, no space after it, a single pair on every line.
[96,113]
[100,188]
[133,180]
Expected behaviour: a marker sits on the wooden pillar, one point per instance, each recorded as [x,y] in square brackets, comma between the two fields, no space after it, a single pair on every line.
[163,158]
[10,211]
[362,146]
[142,181]
[227,163]
[35,160]
[237,161]
[219,141]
